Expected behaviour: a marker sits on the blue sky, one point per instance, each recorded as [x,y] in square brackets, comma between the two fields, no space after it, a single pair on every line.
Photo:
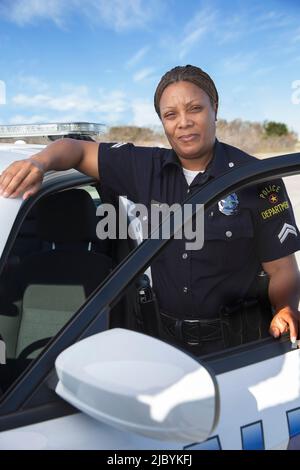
[100,60]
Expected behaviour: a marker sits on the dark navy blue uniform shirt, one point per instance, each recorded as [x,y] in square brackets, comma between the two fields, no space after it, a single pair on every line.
[196,283]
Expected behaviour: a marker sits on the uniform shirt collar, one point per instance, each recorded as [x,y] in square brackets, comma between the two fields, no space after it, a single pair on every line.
[218,165]
[170,159]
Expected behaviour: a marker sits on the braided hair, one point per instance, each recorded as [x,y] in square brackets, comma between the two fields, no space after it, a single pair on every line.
[188,73]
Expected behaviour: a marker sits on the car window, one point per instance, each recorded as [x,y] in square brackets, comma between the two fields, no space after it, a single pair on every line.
[56,262]
[293,188]
[240,233]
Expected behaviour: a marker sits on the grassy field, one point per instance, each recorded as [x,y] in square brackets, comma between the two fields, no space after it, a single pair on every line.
[295,149]
[248,136]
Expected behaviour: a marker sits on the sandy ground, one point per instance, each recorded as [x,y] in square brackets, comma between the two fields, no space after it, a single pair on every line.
[275,154]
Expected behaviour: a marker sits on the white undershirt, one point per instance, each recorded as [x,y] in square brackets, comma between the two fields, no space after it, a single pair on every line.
[190,174]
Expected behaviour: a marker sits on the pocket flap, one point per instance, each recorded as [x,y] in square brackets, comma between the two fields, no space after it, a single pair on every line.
[228,227]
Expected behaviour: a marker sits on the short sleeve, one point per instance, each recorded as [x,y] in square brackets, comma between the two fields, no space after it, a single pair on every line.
[123,168]
[276,232]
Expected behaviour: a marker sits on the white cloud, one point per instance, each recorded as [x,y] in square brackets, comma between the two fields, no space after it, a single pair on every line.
[32,82]
[144,114]
[273,20]
[116,14]
[191,39]
[296,37]
[137,56]
[232,28]
[275,27]
[22,119]
[124,14]
[204,21]
[2,92]
[238,63]
[225,37]
[142,74]
[77,99]
[262,71]
[25,11]
[73,103]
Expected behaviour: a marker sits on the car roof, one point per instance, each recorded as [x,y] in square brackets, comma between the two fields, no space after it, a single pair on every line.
[13,152]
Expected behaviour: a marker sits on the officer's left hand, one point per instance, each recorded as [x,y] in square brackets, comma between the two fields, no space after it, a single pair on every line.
[286,319]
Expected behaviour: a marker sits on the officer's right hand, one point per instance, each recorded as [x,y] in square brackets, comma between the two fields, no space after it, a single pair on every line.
[286,319]
[23,177]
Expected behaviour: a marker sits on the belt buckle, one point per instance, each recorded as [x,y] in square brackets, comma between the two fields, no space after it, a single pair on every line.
[193,343]
[191,321]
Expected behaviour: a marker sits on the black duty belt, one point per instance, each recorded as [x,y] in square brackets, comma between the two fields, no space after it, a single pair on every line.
[192,331]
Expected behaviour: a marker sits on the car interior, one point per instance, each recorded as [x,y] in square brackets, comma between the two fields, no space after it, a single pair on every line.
[56,262]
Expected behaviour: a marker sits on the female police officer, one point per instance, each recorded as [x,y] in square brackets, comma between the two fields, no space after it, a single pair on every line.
[243,234]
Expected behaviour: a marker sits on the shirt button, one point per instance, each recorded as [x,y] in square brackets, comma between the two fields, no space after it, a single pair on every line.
[188,190]
[185,290]
[184,256]
[228,234]
[231,164]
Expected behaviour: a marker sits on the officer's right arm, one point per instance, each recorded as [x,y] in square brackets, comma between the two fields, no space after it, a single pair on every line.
[24,177]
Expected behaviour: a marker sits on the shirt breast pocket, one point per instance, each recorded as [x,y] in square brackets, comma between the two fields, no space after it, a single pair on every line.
[228,227]
[230,238]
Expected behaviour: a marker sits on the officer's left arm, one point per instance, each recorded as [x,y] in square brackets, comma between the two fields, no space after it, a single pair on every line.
[284,294]
[277,238]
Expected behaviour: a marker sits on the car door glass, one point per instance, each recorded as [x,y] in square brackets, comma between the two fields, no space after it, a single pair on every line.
[225,280]
[55,264]
[292,184]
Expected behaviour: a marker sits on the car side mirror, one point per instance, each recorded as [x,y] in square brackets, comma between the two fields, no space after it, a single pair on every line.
[140,384]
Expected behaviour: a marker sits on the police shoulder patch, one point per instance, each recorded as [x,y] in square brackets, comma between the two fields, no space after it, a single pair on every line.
[272,200]
[270,192]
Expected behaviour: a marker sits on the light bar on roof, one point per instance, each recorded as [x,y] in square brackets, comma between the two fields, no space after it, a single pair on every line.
[32,130]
